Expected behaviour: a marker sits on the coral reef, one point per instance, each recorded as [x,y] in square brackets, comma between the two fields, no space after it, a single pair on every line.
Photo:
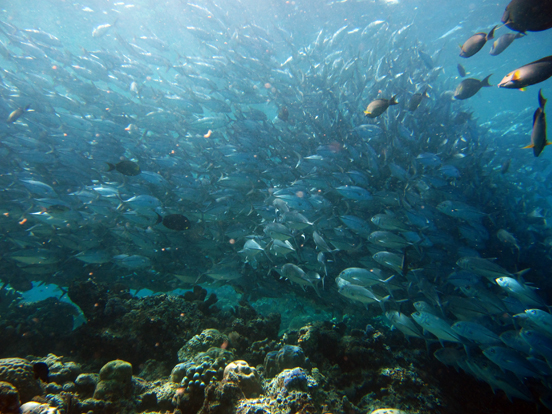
[246,377]
[36,328]
[33,407]
[209,338]
[223,362]
[19,373]
[61,370]
[289,356]
[9,399]
[115,381]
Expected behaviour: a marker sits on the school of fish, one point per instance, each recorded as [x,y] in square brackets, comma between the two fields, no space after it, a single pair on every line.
[344,175]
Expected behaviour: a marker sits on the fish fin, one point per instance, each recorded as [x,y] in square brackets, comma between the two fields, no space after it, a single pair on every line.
[111,166]
[519,275]
[522,89]
[516,75]
[367,113]
[393,100]
[159,218]
[542,100]
[388,279]
[528,146]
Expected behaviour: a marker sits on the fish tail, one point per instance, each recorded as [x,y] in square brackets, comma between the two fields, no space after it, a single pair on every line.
[485,82]
[490,35]
[393,101]
[110,166]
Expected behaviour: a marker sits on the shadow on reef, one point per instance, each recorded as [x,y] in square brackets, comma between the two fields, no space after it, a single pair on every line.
[182,354]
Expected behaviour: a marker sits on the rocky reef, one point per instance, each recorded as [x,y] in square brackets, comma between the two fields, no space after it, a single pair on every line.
[183,354]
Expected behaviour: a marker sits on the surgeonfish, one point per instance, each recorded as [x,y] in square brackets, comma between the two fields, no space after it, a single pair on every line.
[475,43]
[538,134]
[500,44]
[529,74]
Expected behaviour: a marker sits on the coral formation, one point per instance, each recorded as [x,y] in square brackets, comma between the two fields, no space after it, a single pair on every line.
[115,381]
[289,356]
[33,407]
[209,338]
[19,373]
[246,377]
[61,370]
[9,399]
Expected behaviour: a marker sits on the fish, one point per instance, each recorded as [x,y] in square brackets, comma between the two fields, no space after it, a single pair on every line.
[362,277]
[524,293]
[175,221]
[94,256]
[437,326]
[475,332]
[528,15]
[283,113]
[35,256]
[461,70]
[451,31]
[297,275]
[134,261]
[15,115]
[379,106]
[469,87]
[500,44]
[538,133]
[507,238]
[475,43]
[102,29]
[404,324]
[41,371]
[511,360]
[388,240]
[483,267]
[387,222]
[359,294]
[391,260]
[460,210]
[539,342]
[529,74]
[128,168]
[416,100]
[353,192]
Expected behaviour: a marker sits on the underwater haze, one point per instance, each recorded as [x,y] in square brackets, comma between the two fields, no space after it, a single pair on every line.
[344,178]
